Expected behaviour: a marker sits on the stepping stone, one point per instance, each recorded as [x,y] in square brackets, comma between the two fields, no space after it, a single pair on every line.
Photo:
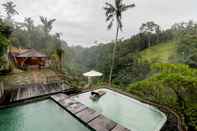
[67,102]
[76,107]
[87,115]
[59,97]
[102,123]
[119,128]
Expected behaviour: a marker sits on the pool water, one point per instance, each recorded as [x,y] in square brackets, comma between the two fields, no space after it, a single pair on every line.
[126,111]
[40,116]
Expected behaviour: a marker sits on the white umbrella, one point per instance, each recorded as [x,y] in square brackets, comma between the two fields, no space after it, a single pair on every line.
[90,74]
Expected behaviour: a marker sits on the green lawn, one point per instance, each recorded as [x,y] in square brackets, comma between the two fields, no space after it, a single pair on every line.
[161,53]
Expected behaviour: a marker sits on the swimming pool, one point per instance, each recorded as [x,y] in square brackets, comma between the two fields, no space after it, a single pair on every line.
[126,111]
[39,116]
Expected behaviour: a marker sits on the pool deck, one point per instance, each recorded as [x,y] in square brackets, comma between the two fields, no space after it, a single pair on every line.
[96,121]
[34,90]
[25,92]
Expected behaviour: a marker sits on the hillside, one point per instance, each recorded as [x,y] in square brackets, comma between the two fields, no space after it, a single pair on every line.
[161,53]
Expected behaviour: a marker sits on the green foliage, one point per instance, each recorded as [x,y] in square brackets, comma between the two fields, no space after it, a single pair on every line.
[5,31]
[174,68]
[173,85]
[135,71]
[114,12]
[153,89]
[191,114]
[149,27]
[48,24]
[4,42]
[127,69]
[187,49]
[161,53]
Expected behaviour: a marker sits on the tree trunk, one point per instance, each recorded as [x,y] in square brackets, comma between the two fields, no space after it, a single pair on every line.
[113,57]
[62,61]
[149,41]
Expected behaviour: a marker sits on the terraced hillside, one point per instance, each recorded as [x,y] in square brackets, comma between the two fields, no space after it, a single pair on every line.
[161,53]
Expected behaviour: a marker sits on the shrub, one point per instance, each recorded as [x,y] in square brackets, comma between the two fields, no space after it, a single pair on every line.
[173,85]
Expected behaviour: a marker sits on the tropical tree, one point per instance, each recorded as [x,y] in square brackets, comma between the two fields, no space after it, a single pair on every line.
[47,27]
[60,50]
[48,24]
[113,13]
[60,55]
[10,9]
[5,32]
[149,28]
[29,23]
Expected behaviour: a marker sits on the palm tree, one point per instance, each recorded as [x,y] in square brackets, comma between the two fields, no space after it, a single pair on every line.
[114,12]
[58,35]
[48,24]
[47,27]
[10,9]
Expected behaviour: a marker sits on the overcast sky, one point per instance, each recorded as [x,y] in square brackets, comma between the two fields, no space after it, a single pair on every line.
[82,22]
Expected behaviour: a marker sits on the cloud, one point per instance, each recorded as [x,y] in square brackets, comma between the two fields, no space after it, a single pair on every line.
[83,21]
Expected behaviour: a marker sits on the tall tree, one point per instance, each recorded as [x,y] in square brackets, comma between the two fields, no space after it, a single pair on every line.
[47,27]
[5,32]
[10,9]
[48,24]
[114,12]
[29,23]
[148,28]
[60,50]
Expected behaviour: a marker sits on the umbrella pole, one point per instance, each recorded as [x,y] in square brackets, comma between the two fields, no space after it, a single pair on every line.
[89,81]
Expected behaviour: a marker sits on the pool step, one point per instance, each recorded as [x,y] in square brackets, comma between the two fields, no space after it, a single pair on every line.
[88,116]
[101,123]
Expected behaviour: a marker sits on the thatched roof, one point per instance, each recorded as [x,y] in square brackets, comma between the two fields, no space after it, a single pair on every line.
[31,53]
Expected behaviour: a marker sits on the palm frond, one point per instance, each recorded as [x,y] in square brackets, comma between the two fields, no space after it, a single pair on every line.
[109,17]
[109,5]
[115,12]
[109,9]
[10,8]
[43,19]
[51,21]
[126,7]
[118,3]
[110,24]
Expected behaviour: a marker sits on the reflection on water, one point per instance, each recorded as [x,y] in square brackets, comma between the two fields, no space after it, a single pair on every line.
[39,116]
[126,111]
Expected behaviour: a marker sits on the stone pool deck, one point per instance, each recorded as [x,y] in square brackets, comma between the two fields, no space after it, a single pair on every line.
[95,120]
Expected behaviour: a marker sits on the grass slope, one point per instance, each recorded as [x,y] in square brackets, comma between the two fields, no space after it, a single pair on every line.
[161,53]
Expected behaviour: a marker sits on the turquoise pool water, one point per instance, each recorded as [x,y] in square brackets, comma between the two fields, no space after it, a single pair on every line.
[126,111]
[40,116]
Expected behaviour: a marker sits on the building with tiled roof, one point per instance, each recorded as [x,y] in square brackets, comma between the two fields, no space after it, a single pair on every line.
[28,58]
